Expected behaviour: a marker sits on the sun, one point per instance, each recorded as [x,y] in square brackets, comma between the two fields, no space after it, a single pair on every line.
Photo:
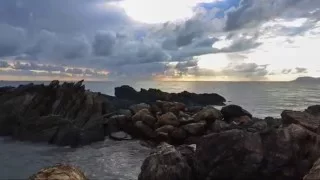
[158,11]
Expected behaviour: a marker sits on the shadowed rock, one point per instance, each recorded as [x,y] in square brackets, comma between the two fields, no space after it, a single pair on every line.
[152,95]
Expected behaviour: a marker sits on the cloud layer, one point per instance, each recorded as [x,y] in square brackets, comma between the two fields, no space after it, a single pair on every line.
[99,36]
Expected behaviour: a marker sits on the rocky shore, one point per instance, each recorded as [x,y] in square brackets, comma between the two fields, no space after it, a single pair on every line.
[193,140]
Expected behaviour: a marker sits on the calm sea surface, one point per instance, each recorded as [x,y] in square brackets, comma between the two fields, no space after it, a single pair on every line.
[111,160]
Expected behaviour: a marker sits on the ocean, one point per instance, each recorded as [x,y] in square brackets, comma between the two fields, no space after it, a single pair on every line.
[111,160]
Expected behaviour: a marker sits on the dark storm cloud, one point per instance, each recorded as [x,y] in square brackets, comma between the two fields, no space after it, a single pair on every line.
[103,43]
[254,12]
[11,39]
[60,15]
[286,71]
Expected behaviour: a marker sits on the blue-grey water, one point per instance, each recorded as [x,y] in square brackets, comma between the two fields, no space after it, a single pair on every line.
[112,160]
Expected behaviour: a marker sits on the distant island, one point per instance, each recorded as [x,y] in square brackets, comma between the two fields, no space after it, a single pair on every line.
[307,79]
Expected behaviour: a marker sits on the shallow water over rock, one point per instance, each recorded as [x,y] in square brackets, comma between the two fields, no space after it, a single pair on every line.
[108,160]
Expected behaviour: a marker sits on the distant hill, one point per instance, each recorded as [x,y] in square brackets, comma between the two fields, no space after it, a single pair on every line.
[307,79]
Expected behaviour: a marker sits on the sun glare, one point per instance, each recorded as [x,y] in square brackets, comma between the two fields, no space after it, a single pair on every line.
[151,12]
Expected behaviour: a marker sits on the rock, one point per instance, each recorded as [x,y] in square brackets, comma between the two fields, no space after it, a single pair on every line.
[194,109]
[145,130]
[168,119]
[219,126]
[166,163]
[195,128]
[166,129]
[179,134]
[242,120]
[314,110]
[138,107]
[59,172]
[145,116]
[302,118]
[125,112]
[174,107]
[233,154]
[152,95]
[259,126]
[188,120]
[119,136]
[273,122]
[208,113]
[231,112]
[314,173]
[54,84]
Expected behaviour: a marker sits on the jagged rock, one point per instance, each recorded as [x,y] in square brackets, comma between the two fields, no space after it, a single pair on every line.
[314,110]
[302,118]
[166,163]
[166,129]
[152,95]
[125,112]
[168,119]
[314,173]
[59,172]
[195,128]
[54,84]
[233,154]
[194,109]
[208,113]
[242,120]
[231,112]
[219,126]
[138,107]
[145,130]
[145,116]
[259,126]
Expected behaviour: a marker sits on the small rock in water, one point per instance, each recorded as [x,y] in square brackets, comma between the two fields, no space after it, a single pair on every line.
[120,136]
[59,172]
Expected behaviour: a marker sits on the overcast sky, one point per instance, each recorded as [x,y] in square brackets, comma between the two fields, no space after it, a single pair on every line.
[159,39]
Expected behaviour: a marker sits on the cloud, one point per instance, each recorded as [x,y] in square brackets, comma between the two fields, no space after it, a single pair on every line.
[11,39]
[103,43]
[248,70]
[4,64]
[301,70]
[286,71]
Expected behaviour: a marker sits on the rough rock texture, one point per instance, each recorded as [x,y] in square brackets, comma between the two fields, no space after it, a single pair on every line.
[314,173]
[304,119]
[208,113]
[231,112]
[166,163]
[168,119]
[152,95]
[59,172]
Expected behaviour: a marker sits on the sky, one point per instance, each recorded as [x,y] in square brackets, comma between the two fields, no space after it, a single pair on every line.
[205,40]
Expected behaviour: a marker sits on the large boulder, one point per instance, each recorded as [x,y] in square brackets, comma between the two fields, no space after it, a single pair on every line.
[235,113]
[208,113]
[233,154]
[146,131]
[304,119]
[195,128]
[166,163]
[138,107]
[168,119]
[174,107]
[145,116]
[314,110]
[314,173]
[59,172]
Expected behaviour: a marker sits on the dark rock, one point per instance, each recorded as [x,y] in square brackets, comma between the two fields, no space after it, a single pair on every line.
[54,84]
[166,163]
[259,126]
[273,122]
[302,118]
[195,128]
[219,126]
[208,113]
[152,95]
[233,154]
[146,130]
[194,109]
[314,110]
[174,107]
[145,116]
[125,112]
[231,112]
[138,107]
[179,134]
[59,172]
[314,173]
[168,119]
[166,129]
